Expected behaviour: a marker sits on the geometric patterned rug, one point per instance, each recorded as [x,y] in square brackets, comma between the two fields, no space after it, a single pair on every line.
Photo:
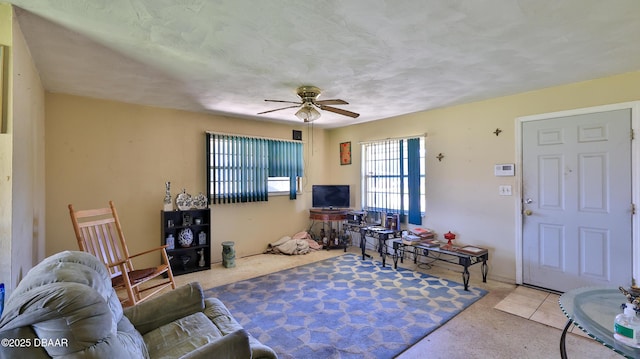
[344,307]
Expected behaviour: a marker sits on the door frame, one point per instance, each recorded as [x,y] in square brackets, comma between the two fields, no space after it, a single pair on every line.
[634,106]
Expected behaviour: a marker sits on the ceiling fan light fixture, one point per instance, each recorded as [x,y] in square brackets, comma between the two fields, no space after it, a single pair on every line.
[309,105]
[308,113]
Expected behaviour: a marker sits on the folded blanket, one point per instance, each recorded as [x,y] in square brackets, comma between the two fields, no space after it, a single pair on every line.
[300,243]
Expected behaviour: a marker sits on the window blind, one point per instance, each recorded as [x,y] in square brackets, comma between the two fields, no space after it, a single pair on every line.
[285,160]
[238,167]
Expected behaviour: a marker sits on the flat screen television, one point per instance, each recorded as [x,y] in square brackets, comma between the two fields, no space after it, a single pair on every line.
[330,196]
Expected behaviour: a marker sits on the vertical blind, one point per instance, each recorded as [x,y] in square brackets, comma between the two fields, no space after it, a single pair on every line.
[393,177]
[285,160]
[238,167]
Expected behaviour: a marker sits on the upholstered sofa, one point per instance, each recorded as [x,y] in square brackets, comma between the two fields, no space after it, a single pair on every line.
[65,307]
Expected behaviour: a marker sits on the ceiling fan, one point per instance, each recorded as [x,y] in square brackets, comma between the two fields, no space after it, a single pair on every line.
[309,102]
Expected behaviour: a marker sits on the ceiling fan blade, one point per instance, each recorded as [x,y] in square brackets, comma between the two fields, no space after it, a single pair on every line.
[278,109]
[299,103]
[339,111]
[332,102]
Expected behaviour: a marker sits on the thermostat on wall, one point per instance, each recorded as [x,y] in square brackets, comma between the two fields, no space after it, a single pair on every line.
[505,169]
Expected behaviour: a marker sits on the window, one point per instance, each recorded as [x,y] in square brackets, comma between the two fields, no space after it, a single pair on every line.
[393,177]
[247,169]
[282,185]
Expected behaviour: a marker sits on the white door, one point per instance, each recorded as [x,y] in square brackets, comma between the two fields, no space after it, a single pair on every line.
[576,192]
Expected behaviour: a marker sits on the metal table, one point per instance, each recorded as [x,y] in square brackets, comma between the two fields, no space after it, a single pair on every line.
[382,234]
[594,309]
[453,256]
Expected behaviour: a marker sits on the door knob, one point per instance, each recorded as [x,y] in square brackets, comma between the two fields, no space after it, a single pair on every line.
[528,212]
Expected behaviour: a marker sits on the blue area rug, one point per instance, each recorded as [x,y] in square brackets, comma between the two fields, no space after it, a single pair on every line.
[344,307]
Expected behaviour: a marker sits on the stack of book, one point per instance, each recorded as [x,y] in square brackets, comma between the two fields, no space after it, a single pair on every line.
[473,250]
[423,233]
[411,239]
[431,243]
[421,236]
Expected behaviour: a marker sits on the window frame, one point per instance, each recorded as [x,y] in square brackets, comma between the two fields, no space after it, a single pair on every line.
[283,179]
[392,193]
[241,168]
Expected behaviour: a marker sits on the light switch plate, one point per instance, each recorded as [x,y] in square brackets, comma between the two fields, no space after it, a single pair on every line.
[504,190]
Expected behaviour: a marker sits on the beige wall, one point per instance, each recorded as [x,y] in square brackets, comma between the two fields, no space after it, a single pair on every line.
[462,191]
[22,159]
[6,150]
[28,159]
[98,151]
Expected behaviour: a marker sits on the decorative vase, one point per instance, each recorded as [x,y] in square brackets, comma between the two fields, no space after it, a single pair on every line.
[200,201]
[168,205]
[185,238]
[184,200]
[228,255]
[449,237]
[170,242]
[201,261]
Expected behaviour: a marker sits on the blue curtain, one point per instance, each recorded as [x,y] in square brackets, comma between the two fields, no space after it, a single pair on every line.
[285,160]
[413,179]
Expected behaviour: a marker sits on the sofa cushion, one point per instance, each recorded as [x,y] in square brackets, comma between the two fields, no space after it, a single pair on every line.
[230,346]
[181,336]
[128,335]
[219,314]
[153,313]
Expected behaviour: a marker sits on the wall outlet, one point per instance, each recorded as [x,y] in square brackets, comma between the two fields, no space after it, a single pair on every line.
[504,190]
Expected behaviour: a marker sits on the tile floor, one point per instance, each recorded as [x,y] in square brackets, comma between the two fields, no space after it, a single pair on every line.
[536,305]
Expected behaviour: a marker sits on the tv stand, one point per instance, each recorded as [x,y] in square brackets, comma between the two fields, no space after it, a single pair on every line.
[332,220]
[330,210]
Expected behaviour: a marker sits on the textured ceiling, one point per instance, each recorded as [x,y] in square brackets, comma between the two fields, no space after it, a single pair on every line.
[386,58]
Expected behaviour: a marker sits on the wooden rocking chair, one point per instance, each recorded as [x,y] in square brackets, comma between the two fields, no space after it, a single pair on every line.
[98,232]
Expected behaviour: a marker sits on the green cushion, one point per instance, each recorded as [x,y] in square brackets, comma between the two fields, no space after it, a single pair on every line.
[181,336]
[153,313]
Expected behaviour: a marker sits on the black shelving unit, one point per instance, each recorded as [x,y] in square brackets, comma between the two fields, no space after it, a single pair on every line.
[187,258]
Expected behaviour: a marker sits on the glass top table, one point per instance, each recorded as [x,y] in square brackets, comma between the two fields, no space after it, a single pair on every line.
[594,309]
